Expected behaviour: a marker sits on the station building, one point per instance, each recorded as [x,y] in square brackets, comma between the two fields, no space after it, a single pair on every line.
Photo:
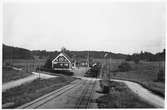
[63,62]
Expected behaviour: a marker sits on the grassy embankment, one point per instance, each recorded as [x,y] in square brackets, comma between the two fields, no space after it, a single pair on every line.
[30,91]
[144,73]
[9,74]
[121,96]
[27,66]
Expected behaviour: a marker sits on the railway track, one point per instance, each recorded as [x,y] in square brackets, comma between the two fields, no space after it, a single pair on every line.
[42,100]
[86,95]
[83,100]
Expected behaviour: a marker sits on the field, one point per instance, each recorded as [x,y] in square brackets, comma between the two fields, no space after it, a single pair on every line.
[121,97]
[27,67]
[10,74]
[114,63]
[144,73]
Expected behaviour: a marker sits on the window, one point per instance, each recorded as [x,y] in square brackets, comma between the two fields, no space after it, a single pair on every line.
[66,64]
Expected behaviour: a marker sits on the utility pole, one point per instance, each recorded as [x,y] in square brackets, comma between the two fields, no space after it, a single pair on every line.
[105,76]
[11,57]
[88,59]
[34,64]
[110,66]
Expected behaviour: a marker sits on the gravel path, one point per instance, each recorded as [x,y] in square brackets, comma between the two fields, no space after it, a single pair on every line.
[30,78]
[145,94]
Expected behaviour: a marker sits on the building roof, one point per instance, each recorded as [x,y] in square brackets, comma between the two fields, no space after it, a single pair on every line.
[69,58]
[65,54]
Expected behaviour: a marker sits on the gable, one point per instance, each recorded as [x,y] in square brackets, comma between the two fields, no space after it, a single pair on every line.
[61,58]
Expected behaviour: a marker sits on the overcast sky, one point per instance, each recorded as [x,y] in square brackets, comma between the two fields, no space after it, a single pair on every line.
[117,27]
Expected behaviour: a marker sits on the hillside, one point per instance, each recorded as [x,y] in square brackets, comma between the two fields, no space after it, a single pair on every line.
[10,52]
[147,56]
[21,53]
[80,54]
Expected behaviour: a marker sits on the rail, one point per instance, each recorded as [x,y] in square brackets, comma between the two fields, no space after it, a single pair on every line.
[40,101]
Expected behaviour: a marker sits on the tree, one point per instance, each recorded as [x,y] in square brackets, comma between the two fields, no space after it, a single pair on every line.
[124,66]
[161,75]
[136,60]
[48,63]
[63,49]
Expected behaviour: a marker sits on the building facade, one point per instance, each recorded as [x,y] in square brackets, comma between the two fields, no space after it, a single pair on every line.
[62,62]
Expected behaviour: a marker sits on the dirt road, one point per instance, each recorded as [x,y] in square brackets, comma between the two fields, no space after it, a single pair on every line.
[21,81]
[144,93]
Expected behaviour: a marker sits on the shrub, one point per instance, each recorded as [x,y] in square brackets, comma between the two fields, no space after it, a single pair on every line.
[48,64]
[124,67]
[161,75]
[128,58]
[136,61]
[65,72]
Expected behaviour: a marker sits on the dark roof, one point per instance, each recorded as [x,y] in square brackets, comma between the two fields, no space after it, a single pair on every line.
[69,58]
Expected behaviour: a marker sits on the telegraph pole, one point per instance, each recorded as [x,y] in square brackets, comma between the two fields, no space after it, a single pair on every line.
[88,59]
[11,57]
[105,76]
[110,66]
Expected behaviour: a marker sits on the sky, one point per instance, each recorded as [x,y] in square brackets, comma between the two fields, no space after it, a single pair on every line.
[119,27]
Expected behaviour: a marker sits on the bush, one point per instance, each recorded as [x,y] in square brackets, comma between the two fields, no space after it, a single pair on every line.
[120,97]
[161,75]
[136,61]
[124,67]
[128,58]
[48,63]
[65,72]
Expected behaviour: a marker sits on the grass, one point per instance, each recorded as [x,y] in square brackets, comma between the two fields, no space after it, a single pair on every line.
[144,73]
[9,74]
[121,96]
[30,91]
[28,66]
